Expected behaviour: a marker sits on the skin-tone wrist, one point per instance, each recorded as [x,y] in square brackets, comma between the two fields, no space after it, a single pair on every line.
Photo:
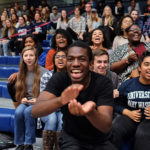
[126,112]
[90,114]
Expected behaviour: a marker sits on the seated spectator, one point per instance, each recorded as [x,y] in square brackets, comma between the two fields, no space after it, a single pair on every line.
[28,40]
[8,42]
[54,16]
[94,21]
[14,19]
[27,91]
[24,10]
[146,10]
[86,122]
[119,10]
[27,22]
[134,5]
[99,40]
[136,18]
[12,11]
[17,9]
[3,20]
[53,121]
[5,13]
[22,31]
[100,7]
[125,58]
[109,22]
[146,30]
[82,6]
[62,22]
[87,12]
[60,41]
[121,34]
[93,3]
[100,65]
[38,30]
[44,15]
[77,25]
[133,105]
[31,13]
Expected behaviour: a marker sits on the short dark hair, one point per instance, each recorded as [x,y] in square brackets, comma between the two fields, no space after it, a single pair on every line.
[63,32]
[144,55]
[83,45]
[100,52]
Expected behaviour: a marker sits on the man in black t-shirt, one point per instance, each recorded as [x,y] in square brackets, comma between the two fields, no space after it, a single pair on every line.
[86,100]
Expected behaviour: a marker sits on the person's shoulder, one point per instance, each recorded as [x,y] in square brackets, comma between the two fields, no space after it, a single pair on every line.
[51,51]
[130,82]
[99,78]
[62,75]
[113,74]
[43,70]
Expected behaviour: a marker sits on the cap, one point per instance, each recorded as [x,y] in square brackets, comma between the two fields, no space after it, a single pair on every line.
[54,7]
[93,10]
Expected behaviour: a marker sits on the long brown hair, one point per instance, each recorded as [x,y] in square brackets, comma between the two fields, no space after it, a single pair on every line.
[11,29]
[22,76]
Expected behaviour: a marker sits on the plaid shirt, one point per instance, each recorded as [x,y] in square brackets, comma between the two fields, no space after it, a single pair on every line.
[77,26]
[146,28]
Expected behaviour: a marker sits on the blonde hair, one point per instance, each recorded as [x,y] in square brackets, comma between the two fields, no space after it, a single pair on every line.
[91,20]
[20,85]
[111,18]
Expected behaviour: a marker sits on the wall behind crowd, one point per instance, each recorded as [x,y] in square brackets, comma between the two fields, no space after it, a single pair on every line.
[8,3]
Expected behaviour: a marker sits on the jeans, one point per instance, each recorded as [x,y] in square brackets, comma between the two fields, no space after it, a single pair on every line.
[25,125]
[4,45]
[53,121]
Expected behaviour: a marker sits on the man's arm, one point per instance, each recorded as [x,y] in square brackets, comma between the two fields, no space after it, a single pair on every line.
[48,102]
[100,118]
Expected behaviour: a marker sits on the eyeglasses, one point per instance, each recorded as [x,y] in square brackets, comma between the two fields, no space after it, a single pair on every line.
[60,56]
[60,37]
[135,30]
[126,21]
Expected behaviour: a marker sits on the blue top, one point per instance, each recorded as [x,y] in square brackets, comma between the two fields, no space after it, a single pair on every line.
[133,95]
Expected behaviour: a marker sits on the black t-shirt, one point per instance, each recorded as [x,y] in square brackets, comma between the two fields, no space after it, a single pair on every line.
[100,90]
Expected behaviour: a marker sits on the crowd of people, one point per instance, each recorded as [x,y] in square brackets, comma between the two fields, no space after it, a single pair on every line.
[93,90]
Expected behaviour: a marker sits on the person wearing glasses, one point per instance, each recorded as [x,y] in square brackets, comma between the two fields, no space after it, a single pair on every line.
[124,59]
[60,41]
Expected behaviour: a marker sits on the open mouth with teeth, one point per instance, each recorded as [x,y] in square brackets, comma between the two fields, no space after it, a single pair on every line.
[76,74]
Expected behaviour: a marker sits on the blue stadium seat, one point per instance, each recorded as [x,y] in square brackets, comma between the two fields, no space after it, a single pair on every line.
[5,72]
[46,43]
[3,90]
[49,36]
[46,48]
[10,60]
[7,120]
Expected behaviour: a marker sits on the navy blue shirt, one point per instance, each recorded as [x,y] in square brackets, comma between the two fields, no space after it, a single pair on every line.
[133,95]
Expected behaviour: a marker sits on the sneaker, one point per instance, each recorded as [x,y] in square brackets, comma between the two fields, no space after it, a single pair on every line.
[20,147]
[28,147]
